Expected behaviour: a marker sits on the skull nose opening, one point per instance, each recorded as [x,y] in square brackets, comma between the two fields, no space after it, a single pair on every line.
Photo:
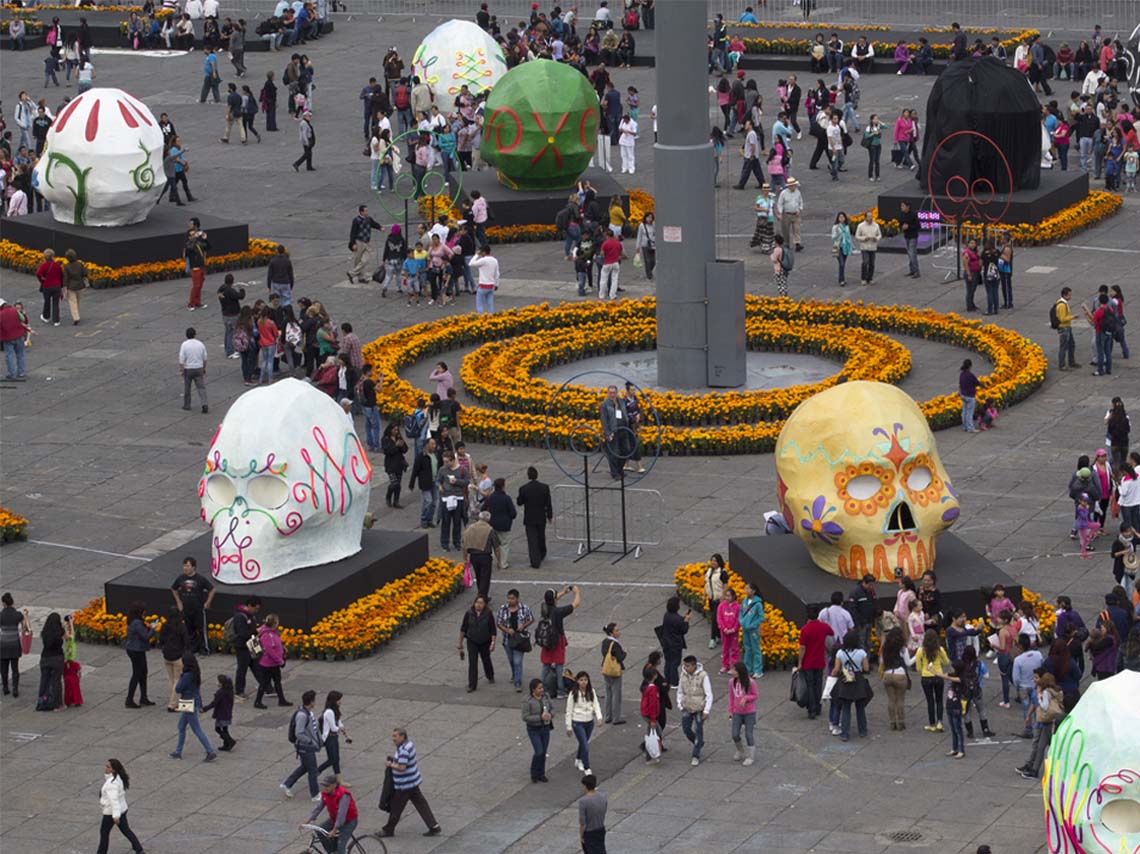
[901,519]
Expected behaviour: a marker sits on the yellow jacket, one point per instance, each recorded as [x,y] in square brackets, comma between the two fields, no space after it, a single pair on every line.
[929,667]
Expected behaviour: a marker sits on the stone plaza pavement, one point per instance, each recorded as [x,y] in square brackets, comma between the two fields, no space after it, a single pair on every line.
[96,452]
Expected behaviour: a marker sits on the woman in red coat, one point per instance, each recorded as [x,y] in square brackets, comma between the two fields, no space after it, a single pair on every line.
[50,274]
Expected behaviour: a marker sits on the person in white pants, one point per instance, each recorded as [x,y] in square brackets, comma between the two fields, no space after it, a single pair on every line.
[611,268]
[602,158]
[628,130]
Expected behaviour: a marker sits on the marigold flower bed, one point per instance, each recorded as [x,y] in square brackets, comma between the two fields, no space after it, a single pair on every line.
[360,629]
[16,257]
[728,423]
[780,637]
[791,46]
[13,526]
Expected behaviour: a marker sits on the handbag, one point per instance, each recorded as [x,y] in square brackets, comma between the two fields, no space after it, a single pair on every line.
[653,744]
[611,666]
[253,644]
[829,686]
[26,642]
[520,641]
[866,141]
[468,576]
[184,705]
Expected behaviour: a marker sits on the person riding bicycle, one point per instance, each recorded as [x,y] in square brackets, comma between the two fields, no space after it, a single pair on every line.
[342,820]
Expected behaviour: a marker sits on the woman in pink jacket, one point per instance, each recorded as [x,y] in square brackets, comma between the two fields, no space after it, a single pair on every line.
[271,661]
[903,130]
[728,621]
[742,695]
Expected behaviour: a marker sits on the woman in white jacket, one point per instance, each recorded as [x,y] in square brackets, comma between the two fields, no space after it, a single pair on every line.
[113,800]
[582,711]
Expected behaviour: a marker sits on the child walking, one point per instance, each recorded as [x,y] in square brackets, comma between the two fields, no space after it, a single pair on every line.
[1086,527]
[72,695]
[728,621]
[223,708]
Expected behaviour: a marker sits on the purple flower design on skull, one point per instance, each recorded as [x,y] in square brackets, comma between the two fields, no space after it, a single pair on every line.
[817,526]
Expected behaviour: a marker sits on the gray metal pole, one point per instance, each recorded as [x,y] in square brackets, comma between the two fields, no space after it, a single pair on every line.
[683,189]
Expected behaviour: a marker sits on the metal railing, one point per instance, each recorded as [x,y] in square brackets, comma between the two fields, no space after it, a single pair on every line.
[614,519]
[1116,17]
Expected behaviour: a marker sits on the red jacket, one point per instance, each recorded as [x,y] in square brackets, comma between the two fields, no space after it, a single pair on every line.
[332,804]
[10,326]
[650,702]
[50,274]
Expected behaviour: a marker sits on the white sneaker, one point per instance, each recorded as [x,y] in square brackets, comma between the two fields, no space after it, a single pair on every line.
[578,765]
[288,792]
[588,771]
[799,135]
[748,761]
[835,730]
[712,643]
[695,762]
[234,356]
[316,799]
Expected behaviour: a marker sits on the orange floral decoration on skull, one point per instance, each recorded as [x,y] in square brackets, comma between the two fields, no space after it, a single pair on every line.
[876,503]
[932,493]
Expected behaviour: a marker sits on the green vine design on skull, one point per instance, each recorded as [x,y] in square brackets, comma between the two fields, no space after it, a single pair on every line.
[79,191]
[143,174]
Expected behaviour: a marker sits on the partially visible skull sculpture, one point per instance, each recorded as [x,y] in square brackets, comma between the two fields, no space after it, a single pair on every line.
[285,486]
[861,483]
[458,53]
[102,162]
[1091,778]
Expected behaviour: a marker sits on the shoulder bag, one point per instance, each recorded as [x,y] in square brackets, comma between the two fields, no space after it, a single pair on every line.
[611,666]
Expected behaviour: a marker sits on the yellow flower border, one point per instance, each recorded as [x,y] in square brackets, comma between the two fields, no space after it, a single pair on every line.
[13,256]
[779,636]
[360,629]
[796,47]
[13,526]
[797,25]
[1096,206]
[1019,368]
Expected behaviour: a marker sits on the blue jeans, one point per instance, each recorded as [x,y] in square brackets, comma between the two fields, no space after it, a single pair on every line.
[845,717]
[540,741]
[332,754]
[451,526]
[842,261]
[283,290]
[968,404]
[693,725]
[484,300]
[343,837]
[912,254]
[190,719]
[308,759]
[552,679]
[1104,353]
[992,296]
[427,506]
[957,731]
[1028,705]
[1005,668]
[372,427]
[747,721]
[14,356]
[468,279]
[266,356]
[582,731]
[515,660]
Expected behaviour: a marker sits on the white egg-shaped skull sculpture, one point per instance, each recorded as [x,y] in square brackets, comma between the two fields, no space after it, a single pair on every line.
[102,161]
[285,485]
[457,54]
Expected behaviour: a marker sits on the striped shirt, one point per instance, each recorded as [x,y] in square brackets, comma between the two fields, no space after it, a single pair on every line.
[410,777]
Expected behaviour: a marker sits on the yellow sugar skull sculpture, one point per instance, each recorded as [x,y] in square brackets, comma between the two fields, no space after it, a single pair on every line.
[860,481]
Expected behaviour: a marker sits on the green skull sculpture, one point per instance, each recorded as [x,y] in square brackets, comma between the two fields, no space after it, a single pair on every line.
[542,118]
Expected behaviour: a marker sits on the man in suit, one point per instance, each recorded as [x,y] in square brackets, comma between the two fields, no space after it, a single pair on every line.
[615,430]
[534,499]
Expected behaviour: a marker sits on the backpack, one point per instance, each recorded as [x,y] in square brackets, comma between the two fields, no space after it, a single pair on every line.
[787,259]
[991,272]
[586,251]
[545,635]
[241,339]
[412,424]
[1108,322]
[229,633]
[562,219]
[293,724]
[402,98]
[292,334]
[632,19]
[1054,320]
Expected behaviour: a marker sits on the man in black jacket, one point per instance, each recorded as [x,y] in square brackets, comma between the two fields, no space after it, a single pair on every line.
[230,297]
[503,514]
[861,604]
[279,276]
[908,219]
[360,243]
[534,499]
[245,627]
[424,470]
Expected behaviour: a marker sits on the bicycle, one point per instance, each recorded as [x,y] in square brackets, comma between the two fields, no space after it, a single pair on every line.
[355,846]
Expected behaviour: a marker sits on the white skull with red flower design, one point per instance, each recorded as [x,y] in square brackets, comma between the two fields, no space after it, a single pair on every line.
[285,485]
[861,483]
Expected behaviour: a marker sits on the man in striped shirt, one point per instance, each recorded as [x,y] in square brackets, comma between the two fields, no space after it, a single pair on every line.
[406,781]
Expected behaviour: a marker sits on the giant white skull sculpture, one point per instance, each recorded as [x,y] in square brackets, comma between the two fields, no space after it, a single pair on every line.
[458,53]
[102,162]
[1091,778]
[861,483]
[285,486]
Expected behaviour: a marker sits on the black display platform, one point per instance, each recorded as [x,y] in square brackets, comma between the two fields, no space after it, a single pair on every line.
[1057,190]
[301,599]
[783,572]
[160,237]
[526,207]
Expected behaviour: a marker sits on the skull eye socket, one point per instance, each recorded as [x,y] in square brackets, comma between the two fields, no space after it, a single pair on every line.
[221,489]
[270,492]
[863,487]
[919,479]
[1121,816]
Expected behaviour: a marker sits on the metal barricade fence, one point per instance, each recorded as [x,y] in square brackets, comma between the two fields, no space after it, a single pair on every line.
[593,518]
